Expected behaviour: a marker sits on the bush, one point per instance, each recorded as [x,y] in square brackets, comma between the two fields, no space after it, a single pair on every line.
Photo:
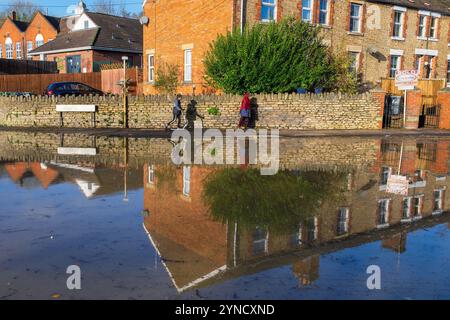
[272,58]
[166,80]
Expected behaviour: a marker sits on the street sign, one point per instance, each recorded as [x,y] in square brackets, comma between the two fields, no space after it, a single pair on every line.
[406,79]
[397,185]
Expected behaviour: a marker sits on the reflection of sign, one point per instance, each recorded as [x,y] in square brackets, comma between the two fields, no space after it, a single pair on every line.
[406,79]
[397,185]
[77,151]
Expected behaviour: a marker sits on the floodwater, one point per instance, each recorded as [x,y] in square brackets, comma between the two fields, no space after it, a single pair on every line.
[140,227]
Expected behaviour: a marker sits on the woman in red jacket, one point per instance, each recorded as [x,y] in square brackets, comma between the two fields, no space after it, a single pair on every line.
[245,112]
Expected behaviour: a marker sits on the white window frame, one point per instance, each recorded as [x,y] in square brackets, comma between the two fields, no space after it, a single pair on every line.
[9,48]
[386,208]
[187,181]
[1,51]
[272,5]
[187,72]
[357,56]
[399,24]
[434,21]
[29,48]
[422,32]
[358,17]
[408,216]
[151,68]
[441,192]
[327,13]
[18,50]
[151,174]
[39,40]
[398,64]
[307,9]
[345,222]
[265,240]
[417,216]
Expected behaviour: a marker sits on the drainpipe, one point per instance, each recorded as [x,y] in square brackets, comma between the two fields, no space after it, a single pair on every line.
[243,14]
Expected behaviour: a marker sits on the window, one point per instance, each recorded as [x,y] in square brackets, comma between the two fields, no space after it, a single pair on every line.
[9,49]
[268,10]
[39,40]
[422,26]
[86,24]
[29,47]
[438,200]
[151,68]
[342,226]
[260,241]
[355,17]
[406,208]
[354,62]
[323,12]
[18,50]
[296,237]
[312,229]
[151,174]
[307,10]
[1,51]
[417,208]
[383,212]
[385,173]
[429,67]
[188,65]
[394,65]
[186,181]
[397,31]
[418,64]
[433,27]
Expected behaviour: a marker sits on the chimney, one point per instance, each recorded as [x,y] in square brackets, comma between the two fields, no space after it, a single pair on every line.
[14,15]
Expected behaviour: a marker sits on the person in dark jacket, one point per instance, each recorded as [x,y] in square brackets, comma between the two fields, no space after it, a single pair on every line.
[177,112]
[192,114]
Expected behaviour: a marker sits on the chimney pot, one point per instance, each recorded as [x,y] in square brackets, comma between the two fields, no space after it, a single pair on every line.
[14,15]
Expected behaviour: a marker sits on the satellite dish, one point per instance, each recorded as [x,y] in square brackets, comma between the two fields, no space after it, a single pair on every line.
[144,20]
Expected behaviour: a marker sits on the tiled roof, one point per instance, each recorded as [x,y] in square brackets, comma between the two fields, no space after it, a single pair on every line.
[113,32]
[22,25]
[440,6]
[54,21]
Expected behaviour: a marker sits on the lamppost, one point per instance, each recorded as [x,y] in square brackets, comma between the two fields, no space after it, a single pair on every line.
[125,90]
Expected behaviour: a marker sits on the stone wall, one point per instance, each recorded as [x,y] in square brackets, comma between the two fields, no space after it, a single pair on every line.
[301,112]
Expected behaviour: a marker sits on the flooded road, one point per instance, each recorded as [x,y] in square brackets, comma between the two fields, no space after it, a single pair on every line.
[140,227]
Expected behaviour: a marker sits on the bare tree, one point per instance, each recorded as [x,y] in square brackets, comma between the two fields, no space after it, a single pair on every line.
[24,9]
[104,6]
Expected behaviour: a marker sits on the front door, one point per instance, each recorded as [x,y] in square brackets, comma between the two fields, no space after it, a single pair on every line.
[73,64]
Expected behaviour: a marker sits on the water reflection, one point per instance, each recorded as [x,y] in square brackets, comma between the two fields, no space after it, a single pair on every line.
[213,224]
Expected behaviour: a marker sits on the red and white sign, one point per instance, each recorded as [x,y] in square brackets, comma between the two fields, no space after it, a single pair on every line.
[397,185]
[406,79]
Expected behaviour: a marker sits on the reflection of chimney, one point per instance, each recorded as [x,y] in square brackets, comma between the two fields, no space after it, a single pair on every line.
[307,270]
[396,243]
[14,15]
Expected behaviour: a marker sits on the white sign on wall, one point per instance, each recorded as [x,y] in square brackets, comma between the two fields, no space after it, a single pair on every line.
[397,185]
[406,79]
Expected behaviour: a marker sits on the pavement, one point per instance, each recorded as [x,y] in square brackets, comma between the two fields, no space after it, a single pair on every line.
[144,133]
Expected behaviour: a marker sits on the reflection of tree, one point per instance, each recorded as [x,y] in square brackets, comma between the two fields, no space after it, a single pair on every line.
[278,202]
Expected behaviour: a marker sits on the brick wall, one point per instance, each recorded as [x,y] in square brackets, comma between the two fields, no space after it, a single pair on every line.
[303,112]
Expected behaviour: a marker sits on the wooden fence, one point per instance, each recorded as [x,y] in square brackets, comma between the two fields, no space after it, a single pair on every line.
[429,87]
[111,78]
[38,83]
[12,66]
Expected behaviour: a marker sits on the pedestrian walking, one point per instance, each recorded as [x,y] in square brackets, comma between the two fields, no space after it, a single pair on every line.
[245,112]
[177,112]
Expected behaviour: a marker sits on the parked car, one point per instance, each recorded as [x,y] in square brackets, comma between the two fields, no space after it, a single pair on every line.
[70,88]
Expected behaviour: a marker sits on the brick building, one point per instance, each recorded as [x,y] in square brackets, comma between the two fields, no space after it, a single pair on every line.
[87,40]
[380,36]
[18,38]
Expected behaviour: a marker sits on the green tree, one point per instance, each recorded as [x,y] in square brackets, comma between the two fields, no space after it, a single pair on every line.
[166,80]
[271,58]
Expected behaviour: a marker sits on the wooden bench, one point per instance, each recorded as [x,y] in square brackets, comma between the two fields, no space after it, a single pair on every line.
[62,108]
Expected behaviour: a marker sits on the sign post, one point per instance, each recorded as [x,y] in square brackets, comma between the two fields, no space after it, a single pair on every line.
[406,80]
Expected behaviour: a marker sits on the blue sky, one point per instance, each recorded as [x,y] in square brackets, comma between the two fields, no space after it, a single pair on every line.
[59,7]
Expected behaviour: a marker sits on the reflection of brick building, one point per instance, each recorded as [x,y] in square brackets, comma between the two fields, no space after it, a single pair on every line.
[20,171]
[181,228]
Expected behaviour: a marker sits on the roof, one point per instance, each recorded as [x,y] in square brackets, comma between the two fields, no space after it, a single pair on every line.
[54,21]
[440,6]
[21,25]
[113,33]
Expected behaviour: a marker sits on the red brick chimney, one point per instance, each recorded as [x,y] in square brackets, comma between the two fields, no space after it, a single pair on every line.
[14,15]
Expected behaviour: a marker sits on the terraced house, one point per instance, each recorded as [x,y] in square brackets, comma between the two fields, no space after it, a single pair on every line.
[19,38]
[381,36]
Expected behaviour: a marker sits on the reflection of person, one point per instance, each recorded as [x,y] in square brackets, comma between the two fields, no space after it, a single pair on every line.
[177,110]
[245,112]
[192,114]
